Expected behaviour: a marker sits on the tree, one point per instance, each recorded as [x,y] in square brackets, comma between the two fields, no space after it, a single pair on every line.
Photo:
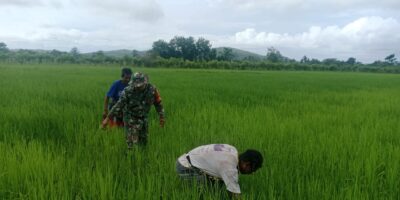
[390,59]
[314,61]
[226,54]
[351,61]
[99,57]
[273,55]
[213,54]
[55,55]
[3,48]
[251,58]
[304,60]
[162,48]
[186,48]
[378,63]
[135,53]
[331,61]
[203,49]
[183,47]
[75,54]
[126,60]
[3,51]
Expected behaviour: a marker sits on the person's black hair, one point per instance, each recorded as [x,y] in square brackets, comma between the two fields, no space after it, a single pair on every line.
[252,156]
[126,71]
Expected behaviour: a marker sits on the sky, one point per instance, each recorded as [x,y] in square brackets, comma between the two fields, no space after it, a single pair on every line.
[367,30]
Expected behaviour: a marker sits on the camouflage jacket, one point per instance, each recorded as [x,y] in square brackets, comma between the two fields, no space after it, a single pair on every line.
[136,104]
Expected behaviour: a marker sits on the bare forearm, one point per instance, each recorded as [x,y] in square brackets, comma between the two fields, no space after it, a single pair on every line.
[234,195]
[160,109]
[158,104]
[106,99]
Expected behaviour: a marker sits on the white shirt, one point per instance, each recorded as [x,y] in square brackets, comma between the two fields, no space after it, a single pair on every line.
[219,160]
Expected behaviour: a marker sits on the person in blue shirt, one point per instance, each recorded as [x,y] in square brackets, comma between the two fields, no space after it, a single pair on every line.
[113,95]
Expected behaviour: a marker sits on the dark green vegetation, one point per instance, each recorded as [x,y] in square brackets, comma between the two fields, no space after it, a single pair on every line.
[323,135]
[182,52]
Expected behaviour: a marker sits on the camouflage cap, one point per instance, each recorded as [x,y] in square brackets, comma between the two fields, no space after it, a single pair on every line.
[138,79]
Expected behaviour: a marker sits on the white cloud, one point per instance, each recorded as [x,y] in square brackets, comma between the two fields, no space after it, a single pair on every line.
[147,11]
[87,24]
[56,34]
[364,35]
[101,38]
[306,4]
[23,3]
[31,3]
[44,38]
[295,27]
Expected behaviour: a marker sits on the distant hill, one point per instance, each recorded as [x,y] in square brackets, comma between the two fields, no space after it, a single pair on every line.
[241,54]
[238,53]
[119,53]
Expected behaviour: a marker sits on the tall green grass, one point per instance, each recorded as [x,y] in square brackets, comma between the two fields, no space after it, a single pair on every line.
[323,135]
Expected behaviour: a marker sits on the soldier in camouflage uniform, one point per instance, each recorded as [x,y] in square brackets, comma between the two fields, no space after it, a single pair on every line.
[135,103]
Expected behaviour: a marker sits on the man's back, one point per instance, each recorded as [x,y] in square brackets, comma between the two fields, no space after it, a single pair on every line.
[115,91]
[218,160]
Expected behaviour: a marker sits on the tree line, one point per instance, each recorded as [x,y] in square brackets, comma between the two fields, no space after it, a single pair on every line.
[187,52]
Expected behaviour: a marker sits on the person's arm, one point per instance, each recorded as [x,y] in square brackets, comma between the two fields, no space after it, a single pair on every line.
[159,107]
[105,111]
[230,177]
[117,108]
[111,92]
[234,195]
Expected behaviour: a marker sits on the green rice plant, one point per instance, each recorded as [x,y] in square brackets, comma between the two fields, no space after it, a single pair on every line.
[323,135]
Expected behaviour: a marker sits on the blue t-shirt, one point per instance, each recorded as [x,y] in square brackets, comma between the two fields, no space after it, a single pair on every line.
[115,91]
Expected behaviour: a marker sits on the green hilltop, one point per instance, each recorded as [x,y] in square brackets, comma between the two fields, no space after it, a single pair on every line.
[119,53]
[237,53]
[241,54]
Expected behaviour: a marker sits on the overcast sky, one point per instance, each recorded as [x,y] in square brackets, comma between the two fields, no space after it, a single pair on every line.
[368,30]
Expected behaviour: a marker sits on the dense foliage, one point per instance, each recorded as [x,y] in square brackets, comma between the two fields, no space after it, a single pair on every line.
[183,52]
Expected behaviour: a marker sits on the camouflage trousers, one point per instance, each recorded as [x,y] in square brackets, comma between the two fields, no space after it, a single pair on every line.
[136,131]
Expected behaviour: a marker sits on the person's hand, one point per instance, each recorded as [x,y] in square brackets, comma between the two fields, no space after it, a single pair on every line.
[162,122]
[234,195]
[104,123]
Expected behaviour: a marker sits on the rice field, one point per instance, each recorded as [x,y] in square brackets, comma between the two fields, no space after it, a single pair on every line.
[323,135]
